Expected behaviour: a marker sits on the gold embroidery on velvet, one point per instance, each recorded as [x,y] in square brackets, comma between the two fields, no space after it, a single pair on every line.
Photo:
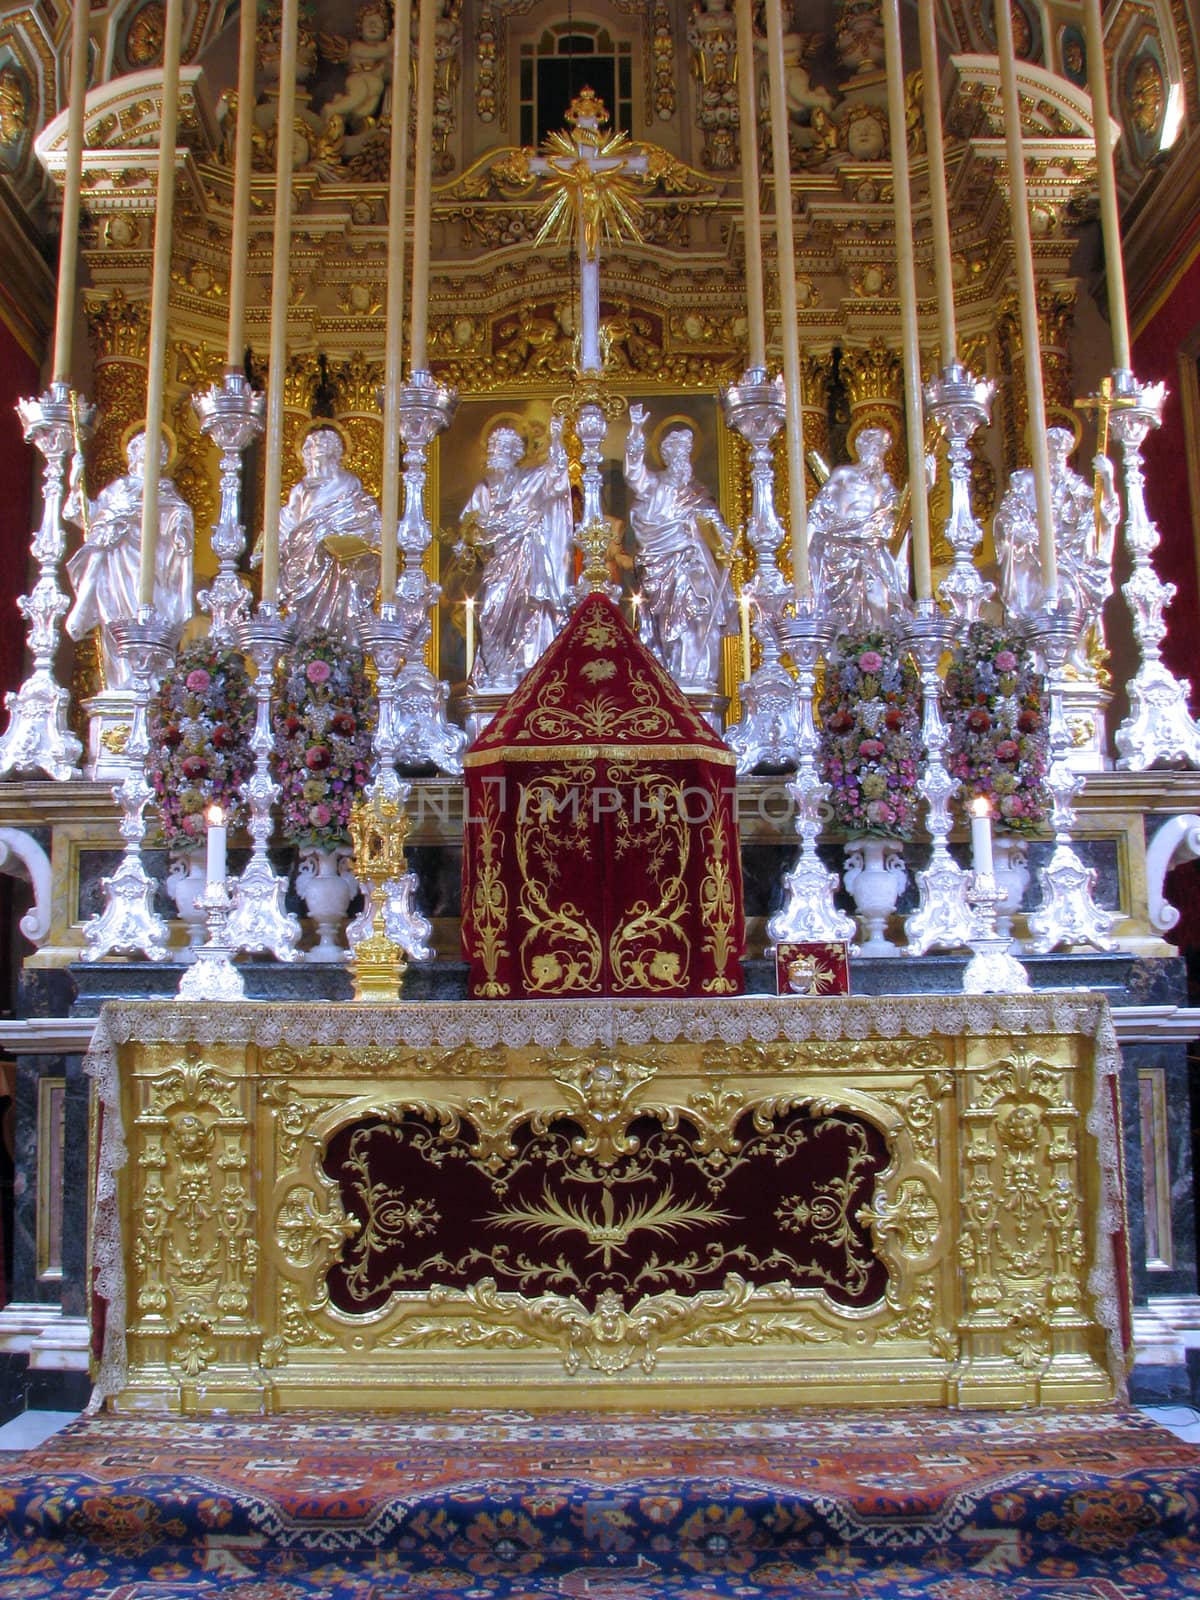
[603,717]
[648,950]
[392,1216]
[601,752]
[489,899]
[718,908]
[606,1232]
[599,633]
[561,953]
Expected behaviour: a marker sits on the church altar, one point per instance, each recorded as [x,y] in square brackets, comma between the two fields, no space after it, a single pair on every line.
[909,1199]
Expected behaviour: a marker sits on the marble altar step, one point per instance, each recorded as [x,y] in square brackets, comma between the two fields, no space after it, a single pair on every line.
[656,1505]
[94,983]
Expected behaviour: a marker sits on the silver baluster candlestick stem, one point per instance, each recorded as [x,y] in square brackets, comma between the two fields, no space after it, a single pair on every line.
[423,735]
[992,969]
[37,738]
[1068,913]
[389,638]
[260,919]
[213,975]
[808,911]
[961,404]
[943,918]
[769,731]
[129,921]
[1159,726]
[231,415]
[592,533]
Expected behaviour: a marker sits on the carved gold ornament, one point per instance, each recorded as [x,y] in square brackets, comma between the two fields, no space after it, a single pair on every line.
[1147,95]
[14,112]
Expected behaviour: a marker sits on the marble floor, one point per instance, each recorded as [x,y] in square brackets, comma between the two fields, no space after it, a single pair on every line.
[33,1428]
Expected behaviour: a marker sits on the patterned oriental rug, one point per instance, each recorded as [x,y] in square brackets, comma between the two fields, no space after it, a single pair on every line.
[932,1505]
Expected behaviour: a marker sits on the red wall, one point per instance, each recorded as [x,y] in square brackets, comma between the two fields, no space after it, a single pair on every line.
[1155,358]
[20,465]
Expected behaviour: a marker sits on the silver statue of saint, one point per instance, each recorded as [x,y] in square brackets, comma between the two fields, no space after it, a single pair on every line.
[851,524]
[682,559]
[518,522]
[1085,526]
[105,571]
[329,537]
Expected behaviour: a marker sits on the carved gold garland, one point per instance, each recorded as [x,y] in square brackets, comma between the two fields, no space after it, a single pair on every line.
[992,1217]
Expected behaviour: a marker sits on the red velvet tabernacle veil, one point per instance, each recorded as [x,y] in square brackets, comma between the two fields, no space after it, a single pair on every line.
[600,843]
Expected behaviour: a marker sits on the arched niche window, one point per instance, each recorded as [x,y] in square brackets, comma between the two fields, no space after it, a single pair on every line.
[562,60]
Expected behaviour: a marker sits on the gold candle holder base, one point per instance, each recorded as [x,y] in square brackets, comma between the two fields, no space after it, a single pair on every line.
[379,826]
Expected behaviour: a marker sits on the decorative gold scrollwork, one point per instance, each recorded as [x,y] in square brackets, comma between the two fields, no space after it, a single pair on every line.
[307,1232]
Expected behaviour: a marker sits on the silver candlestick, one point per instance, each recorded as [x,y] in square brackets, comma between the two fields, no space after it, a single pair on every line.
[260,920]
[808,911]
[592,533]
[961,404]
[37,738]
[231,414]
[1068,913]
[1159,726]
[423,735]
[992,969]
[129,921]
[943,918]
[389,638]
[769,731]
[213,975]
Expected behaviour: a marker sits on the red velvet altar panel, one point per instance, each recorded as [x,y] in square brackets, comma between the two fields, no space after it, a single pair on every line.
[668,1214]
[600,845]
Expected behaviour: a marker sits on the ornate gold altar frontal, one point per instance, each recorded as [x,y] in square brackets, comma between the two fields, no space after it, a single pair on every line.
[861,1201]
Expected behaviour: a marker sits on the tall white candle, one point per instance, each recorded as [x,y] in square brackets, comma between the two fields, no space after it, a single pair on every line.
[160,288]
[393,370]
[217,836]
[744,608]
[1110,216]
[907,282]
[939,205]
[785,254]
[981,837]
[751,219]
[239,242]
[1022,238]
[68,248]
[422,186]
[277,357]
[470,633]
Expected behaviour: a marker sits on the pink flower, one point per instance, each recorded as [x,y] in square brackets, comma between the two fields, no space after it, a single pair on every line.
[1006,661]
[318,671]
[880,813]
[316,757]
[870,661]
[320,815]
[870,749]
[198,680]
[1007,750]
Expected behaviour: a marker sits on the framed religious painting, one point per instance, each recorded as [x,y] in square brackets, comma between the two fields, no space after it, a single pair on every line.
[459,479]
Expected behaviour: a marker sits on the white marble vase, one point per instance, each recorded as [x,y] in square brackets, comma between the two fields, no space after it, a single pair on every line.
[184,883]
[327,885]
[1010,857]
[874,875]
